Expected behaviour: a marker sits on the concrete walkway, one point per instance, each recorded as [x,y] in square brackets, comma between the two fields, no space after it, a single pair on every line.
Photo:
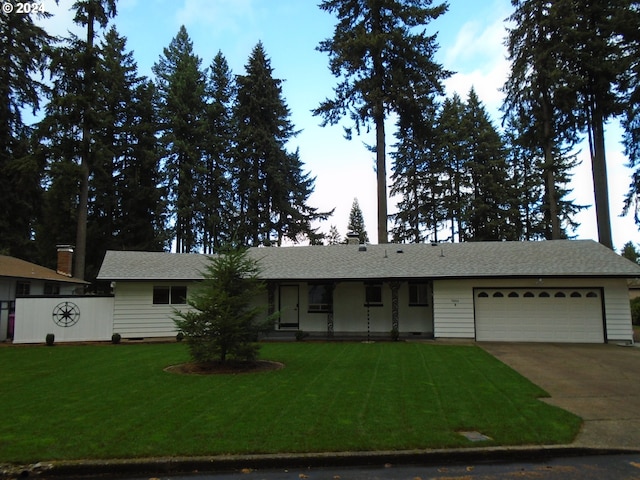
[600,383]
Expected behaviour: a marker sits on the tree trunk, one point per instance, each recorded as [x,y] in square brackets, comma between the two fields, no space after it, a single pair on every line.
[381,175]
[599,172]
[550,177]
[83,205]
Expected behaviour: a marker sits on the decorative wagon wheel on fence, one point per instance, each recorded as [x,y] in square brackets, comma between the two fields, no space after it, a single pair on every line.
[66,314]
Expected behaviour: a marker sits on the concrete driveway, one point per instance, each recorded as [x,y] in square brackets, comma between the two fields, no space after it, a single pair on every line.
[600,383]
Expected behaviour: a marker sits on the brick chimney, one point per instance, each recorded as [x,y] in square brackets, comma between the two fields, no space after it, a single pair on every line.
[353,238]
[65,260]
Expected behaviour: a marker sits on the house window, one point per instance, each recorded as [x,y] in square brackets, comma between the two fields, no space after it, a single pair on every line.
[23,288]
[418,294]
[179,295]
[51,289]
[320,298]
[174,295]
[373,294]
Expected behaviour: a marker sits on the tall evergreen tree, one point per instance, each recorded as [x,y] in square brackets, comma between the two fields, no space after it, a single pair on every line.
[418,178]
[538,100]
[143,209]
[595,63]
[60,147]
[181,86]
[125,204]
[272,189]
[487,212]
[631,119]
[218,149]
[451,147]
[526,171]
[384,59]
[22,57]
[356,222]
[88,13]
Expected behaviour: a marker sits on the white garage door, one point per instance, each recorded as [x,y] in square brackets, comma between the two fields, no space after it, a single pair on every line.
[539,315]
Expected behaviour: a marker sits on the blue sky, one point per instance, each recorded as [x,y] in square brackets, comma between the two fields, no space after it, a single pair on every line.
[470,36]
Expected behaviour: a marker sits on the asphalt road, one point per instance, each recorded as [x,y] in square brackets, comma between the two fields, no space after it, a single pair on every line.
[618,467]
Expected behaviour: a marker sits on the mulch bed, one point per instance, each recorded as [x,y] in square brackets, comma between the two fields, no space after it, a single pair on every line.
[230,367]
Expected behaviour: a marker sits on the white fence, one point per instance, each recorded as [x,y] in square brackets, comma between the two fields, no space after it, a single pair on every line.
[70,319]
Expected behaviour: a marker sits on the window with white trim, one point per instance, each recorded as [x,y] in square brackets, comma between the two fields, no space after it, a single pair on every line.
[170,295]
[320,296]
[373,294]
[418,294]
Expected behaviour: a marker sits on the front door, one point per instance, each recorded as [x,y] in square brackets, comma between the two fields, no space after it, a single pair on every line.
[289,306]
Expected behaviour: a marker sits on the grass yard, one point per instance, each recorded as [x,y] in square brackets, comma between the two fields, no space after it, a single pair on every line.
[115,401]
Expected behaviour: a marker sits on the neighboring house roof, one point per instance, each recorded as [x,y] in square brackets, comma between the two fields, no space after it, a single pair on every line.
[565,258]
[16,268]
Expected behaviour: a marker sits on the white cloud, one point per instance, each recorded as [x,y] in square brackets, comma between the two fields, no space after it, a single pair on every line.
[218,15]
[478,56]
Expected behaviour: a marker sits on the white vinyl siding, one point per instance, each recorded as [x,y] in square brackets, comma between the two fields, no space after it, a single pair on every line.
[617,310]
[453,309]
[135,315]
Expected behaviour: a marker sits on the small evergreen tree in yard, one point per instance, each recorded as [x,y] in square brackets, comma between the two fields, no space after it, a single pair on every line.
[223,324]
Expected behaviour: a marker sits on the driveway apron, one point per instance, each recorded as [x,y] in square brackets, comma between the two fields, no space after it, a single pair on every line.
[596,382]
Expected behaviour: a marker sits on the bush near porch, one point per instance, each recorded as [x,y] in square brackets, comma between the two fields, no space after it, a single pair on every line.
[116,401]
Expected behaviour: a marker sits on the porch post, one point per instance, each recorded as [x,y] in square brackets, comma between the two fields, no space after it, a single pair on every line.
[395,316]
[271,297]
[330,314]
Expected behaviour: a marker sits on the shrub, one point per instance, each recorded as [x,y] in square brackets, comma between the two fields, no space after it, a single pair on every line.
[115,338]
[395,334]
[50,339]
[300,335]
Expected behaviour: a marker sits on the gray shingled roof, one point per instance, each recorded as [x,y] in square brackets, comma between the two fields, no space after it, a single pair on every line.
[568,258]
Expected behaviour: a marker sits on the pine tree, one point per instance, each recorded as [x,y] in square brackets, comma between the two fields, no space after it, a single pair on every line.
[181,89]
[272,189]
[333,238]
[384,64]
[22,58]
[125,202]
[486,214]
[218,149]
[451,147]
[526,172]
[631,119]
[356,222]
[142,221]
[417,177]
[87,13]
[629,251]
[60,147]
[541,106]
[598,62]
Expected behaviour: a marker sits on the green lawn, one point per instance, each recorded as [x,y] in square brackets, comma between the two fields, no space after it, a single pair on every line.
[115,401]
